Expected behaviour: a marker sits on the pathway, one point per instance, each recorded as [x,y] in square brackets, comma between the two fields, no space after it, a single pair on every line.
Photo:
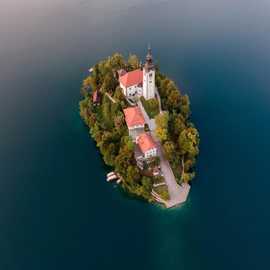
[178,193]
[113,100]
[150,122]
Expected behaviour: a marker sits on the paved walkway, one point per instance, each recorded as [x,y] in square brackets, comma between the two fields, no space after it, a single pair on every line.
[178,194]
[110,97]
[159,100]
[151,122]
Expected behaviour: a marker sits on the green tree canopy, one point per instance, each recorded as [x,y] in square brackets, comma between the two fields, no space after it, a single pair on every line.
[133,62]
[169,150]
[162,126]
[189,141]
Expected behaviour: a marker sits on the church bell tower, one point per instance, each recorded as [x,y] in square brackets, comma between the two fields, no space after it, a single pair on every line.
[149,76]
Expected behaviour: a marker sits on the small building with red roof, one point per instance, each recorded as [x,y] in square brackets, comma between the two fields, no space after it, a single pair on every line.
[134,120]
[131,82]
[147,145]
[96,97]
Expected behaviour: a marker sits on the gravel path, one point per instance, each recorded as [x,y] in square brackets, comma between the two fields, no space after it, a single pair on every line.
[178,194]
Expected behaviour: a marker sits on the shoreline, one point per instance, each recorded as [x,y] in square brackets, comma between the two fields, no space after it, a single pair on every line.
[150,142]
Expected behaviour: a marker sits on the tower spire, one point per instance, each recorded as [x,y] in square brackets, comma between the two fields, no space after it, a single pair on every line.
[149,59]
[149,75]
[149,49]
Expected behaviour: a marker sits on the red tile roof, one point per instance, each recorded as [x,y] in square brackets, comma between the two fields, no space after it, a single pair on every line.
[146,142]
[134,77]
[134,116]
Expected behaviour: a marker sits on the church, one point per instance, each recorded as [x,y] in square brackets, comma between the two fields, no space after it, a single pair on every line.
[139,82]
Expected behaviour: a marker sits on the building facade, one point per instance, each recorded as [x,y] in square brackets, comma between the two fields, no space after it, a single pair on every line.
[131,83]
[140,82]
[135,121]
[147,145]
[149,84]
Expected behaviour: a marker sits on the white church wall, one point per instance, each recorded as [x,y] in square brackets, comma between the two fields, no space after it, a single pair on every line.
[148,84]
[151,153]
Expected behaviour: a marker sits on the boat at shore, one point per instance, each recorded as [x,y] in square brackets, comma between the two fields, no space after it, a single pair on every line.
[112,176]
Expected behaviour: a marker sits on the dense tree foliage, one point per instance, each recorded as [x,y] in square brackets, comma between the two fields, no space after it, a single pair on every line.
[162,121]
[107,125]
[133,62]
[178,135]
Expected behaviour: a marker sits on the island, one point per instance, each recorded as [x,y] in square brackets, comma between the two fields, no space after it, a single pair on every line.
[141,124]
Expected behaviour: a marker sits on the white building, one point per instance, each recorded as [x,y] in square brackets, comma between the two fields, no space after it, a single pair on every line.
[135,121]
[147,145]
[149,84]
[131,83]
[139,82]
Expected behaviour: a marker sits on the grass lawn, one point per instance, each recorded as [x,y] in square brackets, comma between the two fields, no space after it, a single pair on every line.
[151,106]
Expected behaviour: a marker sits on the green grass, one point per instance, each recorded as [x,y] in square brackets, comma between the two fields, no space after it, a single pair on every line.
[151,106]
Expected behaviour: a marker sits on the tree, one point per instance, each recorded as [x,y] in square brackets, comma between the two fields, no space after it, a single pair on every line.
[96,133]
[128,143]
[189,142]
[176,124]
[119,121]
[87,84]
[163,87]
[162,126]
[161,133]
[109,82]
[118,94]
[109,154]
[96,75]
[106,113]
[123,160]
[187,177]
[117,61]
[151,106]
[147,183]
[133,173]
[189,163]
[174,99]
[133,62]
[184,106]
[169,150]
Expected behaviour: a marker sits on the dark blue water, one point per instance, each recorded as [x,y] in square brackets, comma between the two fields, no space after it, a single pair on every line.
[56,209]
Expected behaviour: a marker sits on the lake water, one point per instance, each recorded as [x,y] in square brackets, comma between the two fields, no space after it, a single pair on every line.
[56,209]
